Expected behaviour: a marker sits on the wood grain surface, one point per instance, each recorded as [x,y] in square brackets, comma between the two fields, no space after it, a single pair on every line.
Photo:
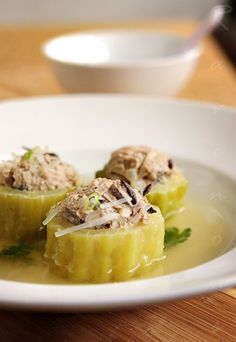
[24,72]
[207,318]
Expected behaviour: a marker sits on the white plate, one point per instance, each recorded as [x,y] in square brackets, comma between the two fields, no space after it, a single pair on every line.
[202,133]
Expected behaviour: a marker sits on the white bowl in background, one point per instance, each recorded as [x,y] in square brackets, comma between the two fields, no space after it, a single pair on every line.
[121,62]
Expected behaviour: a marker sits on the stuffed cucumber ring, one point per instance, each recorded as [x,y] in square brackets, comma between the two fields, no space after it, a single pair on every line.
[29,185]
[151,172]
[105,231]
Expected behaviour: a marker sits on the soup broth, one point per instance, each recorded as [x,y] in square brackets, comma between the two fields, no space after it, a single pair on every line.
[211,236]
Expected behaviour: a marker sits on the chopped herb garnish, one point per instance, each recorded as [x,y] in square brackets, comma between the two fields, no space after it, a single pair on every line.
[91,202]
[27,154]
[15,251]
[173,236]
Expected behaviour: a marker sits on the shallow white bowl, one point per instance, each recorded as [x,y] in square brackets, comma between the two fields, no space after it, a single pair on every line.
[121,62]
[82,129]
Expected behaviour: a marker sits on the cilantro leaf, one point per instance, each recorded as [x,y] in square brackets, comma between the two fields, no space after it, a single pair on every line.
[15,251]
[173,236]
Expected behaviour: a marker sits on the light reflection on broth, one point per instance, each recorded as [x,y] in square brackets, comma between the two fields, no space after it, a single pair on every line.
[211,236]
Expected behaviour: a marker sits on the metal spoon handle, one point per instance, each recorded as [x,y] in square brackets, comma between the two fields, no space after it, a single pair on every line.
[206,26]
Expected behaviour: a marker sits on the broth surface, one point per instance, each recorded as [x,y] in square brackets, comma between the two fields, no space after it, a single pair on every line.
[212,235]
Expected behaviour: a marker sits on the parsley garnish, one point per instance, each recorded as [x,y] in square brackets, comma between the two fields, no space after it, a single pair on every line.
[15,251]
[173,236]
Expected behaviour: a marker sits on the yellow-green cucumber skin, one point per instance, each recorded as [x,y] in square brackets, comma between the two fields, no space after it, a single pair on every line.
[22,212]
[104,255]
[169,196]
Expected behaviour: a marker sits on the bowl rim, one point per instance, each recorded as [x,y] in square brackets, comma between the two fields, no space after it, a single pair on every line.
[175,59]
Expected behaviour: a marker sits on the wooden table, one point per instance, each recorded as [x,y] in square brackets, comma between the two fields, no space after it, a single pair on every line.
[24,72]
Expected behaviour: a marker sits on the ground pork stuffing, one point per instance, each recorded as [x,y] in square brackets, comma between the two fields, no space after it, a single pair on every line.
[37,169]
[138,165]
[113,200]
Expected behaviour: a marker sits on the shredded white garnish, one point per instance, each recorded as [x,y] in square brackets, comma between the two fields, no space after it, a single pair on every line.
[147,207]
[174,212]
[93,223]
[113,203]
[51,215]
[93,215]
[140,184]
[126,197]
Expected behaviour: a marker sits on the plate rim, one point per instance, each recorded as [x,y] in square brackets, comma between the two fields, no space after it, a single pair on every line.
[110,96]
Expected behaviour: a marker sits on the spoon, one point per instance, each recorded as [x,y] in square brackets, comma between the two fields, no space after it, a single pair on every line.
[208,24]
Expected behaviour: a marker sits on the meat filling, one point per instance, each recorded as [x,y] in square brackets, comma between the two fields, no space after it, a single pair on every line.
[36,170]
[139,165]
[112,200]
